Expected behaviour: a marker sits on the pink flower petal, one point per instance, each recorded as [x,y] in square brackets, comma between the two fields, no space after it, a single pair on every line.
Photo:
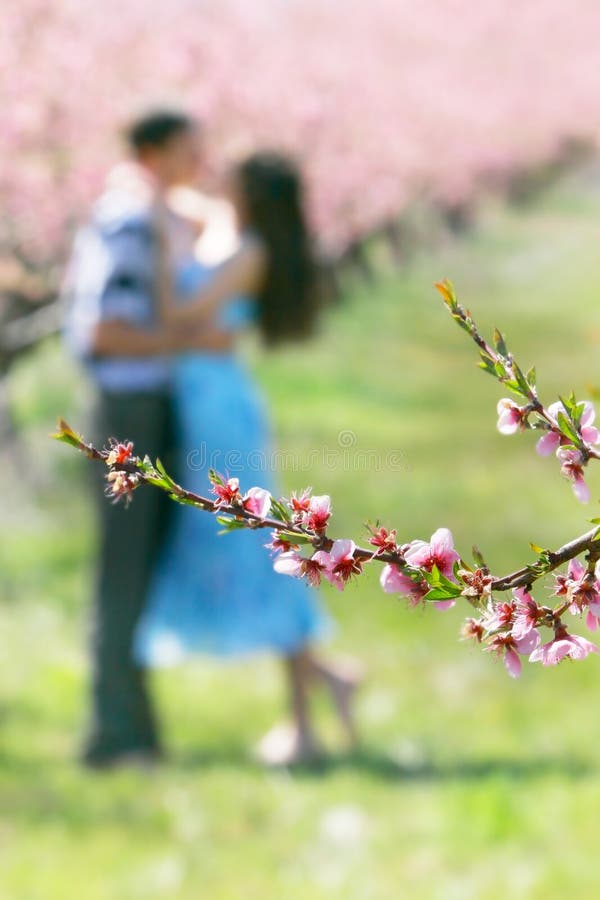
[343,548]
[288,564]
[527,642]
[258,501]
[507,424]
[512,663]
[393,581]
[418,554]
[557,650]
[323,558]
[444,604]
[554,409]
[580,489]
[590,434]
[589,413]
[548,443]
[575,570]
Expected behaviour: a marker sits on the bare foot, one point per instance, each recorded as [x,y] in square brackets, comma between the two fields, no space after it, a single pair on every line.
[284,745]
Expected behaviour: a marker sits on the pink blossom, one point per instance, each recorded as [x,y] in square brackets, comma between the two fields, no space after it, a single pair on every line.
[383,540]
[299,504]
[582,588]
[438,552]
[564,584]
[548,443]
[527,613]
[509,647]
[342,563]
[511,418]
[472,630]
[119,453]
[292,563]
[318,513]
[313,569]
[258,502]
[477,584]
[572,468]
[289,563]
[499,615]
[589,432]
[592,621]
[227,491]
[121,485]
[562,646]
[339,564]
[551,440]
[393,581]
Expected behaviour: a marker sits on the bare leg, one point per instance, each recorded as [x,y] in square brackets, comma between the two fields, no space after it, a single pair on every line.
[298,674]
[285,745]
[341,680]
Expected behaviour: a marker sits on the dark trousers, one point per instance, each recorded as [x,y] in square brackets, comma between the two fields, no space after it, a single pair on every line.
[129,538]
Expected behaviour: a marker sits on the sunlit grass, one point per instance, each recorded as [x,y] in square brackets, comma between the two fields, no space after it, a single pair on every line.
[468,784]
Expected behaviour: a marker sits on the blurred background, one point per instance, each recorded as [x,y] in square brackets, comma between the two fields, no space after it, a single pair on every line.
[444,139]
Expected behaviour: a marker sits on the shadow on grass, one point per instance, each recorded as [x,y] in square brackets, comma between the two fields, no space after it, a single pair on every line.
[376,764]
[368,762]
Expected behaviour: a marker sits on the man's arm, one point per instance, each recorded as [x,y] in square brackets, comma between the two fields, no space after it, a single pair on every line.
[118,338]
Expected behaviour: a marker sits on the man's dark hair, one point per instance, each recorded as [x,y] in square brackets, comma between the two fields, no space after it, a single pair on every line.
[155,129]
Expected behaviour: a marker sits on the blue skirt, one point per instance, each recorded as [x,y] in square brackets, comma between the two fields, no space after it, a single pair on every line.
[211,592]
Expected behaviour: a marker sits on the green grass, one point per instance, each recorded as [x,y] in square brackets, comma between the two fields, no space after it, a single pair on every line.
[469,785]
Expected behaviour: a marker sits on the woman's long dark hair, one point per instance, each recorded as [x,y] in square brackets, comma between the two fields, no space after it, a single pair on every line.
[272,192]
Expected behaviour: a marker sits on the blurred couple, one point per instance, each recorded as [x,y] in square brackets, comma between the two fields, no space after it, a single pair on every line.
[160,290]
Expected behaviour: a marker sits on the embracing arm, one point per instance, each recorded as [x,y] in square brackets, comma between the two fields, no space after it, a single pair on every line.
[242,274]
[118,338]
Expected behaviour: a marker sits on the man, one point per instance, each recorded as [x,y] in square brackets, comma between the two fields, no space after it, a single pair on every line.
[113,327]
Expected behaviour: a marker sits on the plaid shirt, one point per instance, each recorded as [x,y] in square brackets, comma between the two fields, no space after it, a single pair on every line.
[111,277]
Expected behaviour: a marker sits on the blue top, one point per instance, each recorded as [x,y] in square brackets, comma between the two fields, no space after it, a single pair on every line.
[192,276]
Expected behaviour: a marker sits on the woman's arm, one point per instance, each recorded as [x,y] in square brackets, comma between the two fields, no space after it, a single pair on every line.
[242,274]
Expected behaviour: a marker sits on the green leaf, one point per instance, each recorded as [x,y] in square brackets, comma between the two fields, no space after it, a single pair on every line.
[577,413]
[568,403]
[567,428]
[436,580]
[294,538]
[167,480]
[478,557]
[500,343]
[281,510]
[500,370]
[487,364]
[440,593]
[521,380]
[65,434]
[230,524]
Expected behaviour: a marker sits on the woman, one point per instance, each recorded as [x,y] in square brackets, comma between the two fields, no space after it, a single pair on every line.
[219,593]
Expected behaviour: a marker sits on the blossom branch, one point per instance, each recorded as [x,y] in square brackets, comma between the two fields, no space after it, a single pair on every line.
[431,571]
[421,571]
[567,424]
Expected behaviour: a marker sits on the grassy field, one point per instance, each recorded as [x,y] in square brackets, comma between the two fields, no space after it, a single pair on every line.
[468,785]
